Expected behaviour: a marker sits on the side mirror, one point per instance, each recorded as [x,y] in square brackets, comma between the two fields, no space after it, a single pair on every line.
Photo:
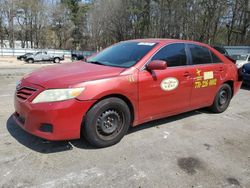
[157,65]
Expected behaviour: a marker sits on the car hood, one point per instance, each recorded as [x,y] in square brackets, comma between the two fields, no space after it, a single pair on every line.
[66,75]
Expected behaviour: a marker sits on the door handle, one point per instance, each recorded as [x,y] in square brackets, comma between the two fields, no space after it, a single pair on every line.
[186,74]
[221,69]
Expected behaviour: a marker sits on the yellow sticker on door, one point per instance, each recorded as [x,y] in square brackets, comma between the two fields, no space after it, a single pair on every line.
[208,75]
[204,81]
[169,84]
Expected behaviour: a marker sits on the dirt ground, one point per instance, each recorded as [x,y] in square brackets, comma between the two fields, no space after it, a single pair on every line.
[196,149]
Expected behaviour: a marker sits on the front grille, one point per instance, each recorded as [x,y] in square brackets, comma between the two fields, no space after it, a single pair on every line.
[25,92]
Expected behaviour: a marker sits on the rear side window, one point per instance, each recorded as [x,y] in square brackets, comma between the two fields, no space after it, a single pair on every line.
[173,54]
[215,58]
[200,55]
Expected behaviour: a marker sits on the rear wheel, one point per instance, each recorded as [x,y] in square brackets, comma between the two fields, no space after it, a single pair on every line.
[222,99]
[56,60]
[106,122]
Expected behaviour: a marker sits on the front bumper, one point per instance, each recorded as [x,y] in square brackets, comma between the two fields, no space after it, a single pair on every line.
[64,118]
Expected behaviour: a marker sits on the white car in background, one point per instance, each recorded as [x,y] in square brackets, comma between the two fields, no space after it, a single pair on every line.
[43,56]
[242,60]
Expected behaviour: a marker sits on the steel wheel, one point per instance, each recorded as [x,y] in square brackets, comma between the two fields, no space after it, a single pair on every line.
[110,123]
[56,60]
[30,61]
[222,99]
[106,122]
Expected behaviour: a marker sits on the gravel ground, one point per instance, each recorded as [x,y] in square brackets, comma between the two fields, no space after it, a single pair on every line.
[195,149]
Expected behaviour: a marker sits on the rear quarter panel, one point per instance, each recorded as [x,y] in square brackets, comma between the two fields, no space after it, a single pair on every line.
[231,73]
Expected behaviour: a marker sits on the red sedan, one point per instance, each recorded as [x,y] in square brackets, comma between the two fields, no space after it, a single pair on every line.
[127,84]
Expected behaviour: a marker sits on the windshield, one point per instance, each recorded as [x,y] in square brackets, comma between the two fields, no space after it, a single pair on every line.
[124,54]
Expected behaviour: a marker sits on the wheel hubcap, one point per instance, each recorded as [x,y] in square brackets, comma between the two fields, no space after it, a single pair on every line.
[223,97]
[109,122]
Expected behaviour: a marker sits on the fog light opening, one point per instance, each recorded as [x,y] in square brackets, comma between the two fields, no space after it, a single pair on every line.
[46,127]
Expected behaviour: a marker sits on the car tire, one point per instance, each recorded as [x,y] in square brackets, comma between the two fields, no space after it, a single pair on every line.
[30,60]
[107,122]
[222,99]
[56,60]
[22,59]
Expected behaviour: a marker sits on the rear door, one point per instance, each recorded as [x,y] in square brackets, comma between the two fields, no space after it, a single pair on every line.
[209,72]
[45,56]
[165,92]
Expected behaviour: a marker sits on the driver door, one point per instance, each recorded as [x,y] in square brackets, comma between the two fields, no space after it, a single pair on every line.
[157,96]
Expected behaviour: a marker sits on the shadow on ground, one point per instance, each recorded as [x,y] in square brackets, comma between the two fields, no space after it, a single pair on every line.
[43,146]
[42,62]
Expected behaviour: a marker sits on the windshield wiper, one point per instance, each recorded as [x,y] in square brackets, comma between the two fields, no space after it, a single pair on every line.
[96,62]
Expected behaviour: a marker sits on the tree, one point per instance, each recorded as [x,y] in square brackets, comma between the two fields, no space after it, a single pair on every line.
[77,24]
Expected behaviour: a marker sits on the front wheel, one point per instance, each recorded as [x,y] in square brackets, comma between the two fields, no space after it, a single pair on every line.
[30,60]
[222,99]
[106,122]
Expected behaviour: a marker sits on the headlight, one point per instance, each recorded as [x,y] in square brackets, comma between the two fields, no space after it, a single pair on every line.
[52,95]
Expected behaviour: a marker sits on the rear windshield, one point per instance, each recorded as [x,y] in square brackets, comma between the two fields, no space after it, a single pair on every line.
[123,54]
[221,50]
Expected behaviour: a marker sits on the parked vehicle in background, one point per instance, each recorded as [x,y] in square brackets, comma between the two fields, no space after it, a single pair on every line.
[246,74]
[127,84]
[242,60]
[24,56]
[43,56]
[223,51]
[80,55]
[77,55]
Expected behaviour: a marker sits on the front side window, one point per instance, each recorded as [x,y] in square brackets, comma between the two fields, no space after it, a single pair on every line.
[173,54]
[200,54]
[123,54]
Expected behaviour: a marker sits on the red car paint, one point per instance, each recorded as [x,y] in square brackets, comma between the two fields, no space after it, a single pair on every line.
[137,86]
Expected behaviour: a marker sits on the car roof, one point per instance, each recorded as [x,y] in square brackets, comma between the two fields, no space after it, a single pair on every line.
[167,41]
